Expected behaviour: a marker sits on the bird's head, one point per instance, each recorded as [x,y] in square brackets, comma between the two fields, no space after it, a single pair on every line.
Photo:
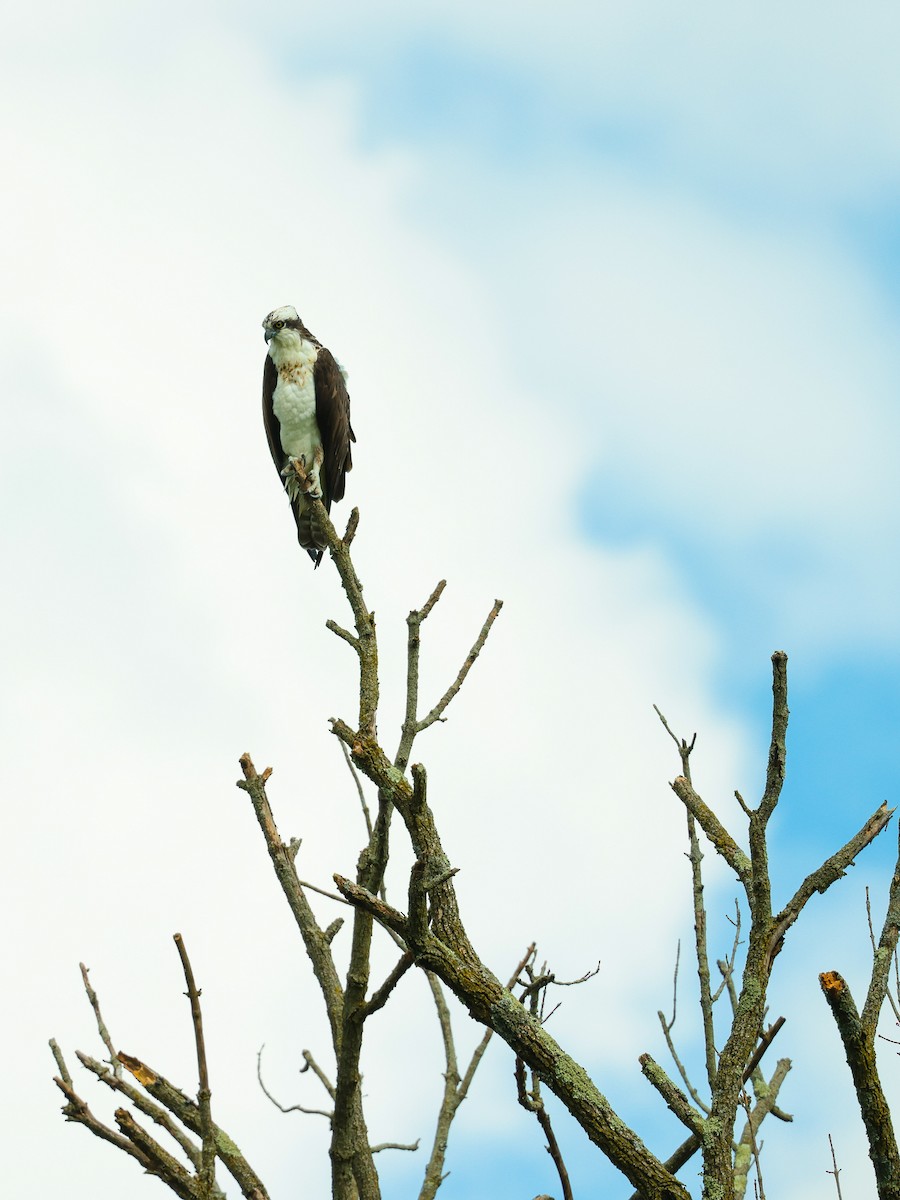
[280,318]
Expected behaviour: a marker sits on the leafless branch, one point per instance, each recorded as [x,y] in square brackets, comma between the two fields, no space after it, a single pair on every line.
[532,1101]
[342,633]
[101,1025]
[676,1058]
[313,1112]
[317,946]
[208,1159]
[884,954]
[359,788]
[836,1170]
[60,1062]
[188,1113]
[77,1110]
[380,996]
[144,1104]
[726,966]
[352,526]
[454,687]
[675,1099]
[310,1064]
[831,870]
[858,1043]
[750,1134]
[685,748]
[721,839]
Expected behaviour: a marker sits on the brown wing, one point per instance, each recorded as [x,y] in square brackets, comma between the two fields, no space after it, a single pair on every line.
[333,419]
[272,424]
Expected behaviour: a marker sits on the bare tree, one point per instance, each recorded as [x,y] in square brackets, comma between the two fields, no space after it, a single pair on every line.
[721,1115]
[858,1032]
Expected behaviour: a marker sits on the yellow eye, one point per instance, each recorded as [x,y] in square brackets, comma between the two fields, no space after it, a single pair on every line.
[279,324]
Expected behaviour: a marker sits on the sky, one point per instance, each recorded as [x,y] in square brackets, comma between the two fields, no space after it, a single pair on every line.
[619,294]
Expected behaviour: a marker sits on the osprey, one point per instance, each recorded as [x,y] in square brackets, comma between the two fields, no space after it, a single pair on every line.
[306,409]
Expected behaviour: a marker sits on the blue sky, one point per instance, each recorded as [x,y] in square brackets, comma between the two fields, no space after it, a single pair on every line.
[620,292]
[459,104]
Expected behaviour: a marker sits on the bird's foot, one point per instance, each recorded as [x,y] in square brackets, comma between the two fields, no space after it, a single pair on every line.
[295,468]
[297,477]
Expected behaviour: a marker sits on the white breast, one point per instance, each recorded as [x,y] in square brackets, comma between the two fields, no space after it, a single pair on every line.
[294,398]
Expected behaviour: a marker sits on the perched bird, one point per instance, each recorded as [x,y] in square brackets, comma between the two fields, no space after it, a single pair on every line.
[306,409]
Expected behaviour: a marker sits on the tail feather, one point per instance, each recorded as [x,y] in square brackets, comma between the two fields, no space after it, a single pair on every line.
[310,533]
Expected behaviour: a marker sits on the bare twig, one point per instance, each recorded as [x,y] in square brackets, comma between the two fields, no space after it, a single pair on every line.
[682,1070]
[101,1026]
[765,1042]
[317,945]
[675,1099]
[144,1104]
[777,751]
[594,971]
[454,687]
[342,633]
[352,526]
[754,1148]
[304,883]
[163,1164]
[77,1110]
[208,1159]
[685,748]
[835,1168]
[188,1113]
[695,857]
[700,948]
[721,839]
[313,1112]
[726,966]
[380,996]
[883,956]
[310,1064]
[532,1101]
[60,1062]
[831,870]
[359,788]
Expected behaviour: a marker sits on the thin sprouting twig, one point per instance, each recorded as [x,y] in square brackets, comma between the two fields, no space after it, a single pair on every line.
[726,967]
[380,996]
[359,788]
[304,883]
[60,1062]
[310,1064]
[342,633]
[745,1104]
[457,683]
[685,748]
[835,1171]
[532,1101]
[208,1159]
[314,1112]
[101,1025]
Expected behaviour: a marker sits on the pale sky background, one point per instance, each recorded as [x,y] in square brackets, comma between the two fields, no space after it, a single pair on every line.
[617,289]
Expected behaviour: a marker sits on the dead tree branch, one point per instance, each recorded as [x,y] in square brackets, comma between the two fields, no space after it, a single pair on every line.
[206,1175]
[767,931]
[168,1107]
[859,1047]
